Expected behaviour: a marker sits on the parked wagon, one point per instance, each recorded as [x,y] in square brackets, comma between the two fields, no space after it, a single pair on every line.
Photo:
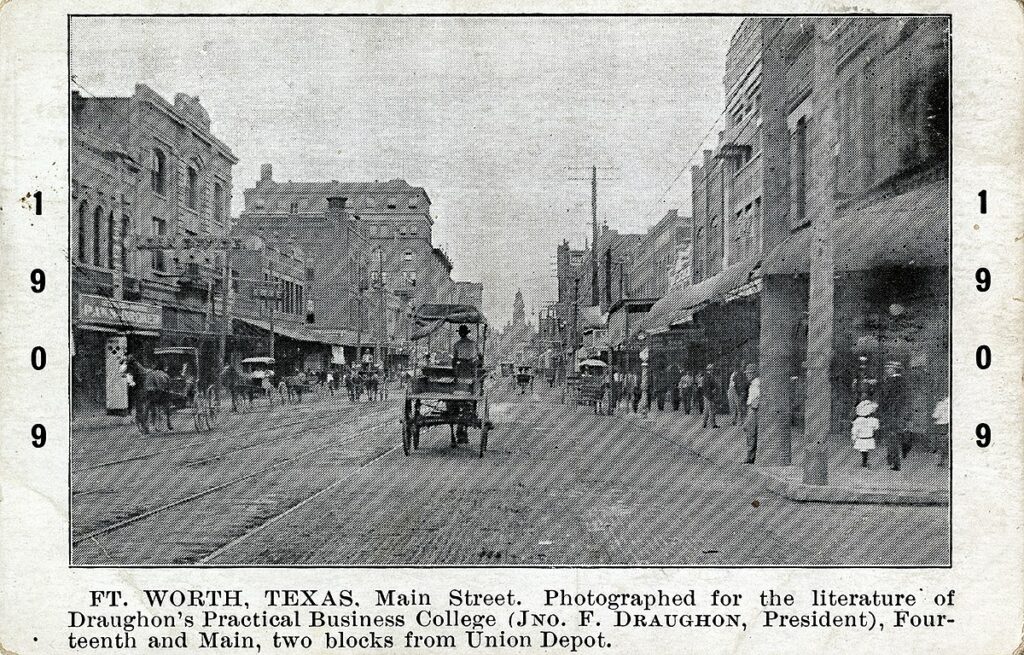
[447,395]
[185,393]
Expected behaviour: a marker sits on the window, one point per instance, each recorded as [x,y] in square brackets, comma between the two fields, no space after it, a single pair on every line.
[218,203]
[414,202]
[81,231]
[393,203]
[798,174]
[234,280]
[158,178]
[414,229]
[310,273]
[159,229]
[407,257]
[110,240]
[401,230]
[410,277]
[97,225]
[192,190]
[126,226]
[293,208]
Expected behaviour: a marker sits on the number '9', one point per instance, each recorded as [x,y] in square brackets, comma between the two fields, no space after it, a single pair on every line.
[38,279]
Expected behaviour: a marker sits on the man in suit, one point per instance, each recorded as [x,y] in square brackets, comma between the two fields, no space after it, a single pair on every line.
[894,413]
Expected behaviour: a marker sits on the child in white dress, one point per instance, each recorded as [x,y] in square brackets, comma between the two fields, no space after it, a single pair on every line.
[863,431]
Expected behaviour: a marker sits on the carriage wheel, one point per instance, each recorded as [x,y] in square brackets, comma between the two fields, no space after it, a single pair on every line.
[213,409]
[199,416]
[485,427]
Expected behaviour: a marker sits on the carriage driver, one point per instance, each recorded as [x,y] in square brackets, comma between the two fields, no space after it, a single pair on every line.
[465,359]
[465,349]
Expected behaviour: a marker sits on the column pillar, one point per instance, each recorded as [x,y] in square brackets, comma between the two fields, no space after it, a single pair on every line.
[781,311]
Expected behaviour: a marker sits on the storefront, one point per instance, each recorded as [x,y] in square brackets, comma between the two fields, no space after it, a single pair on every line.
[105,332]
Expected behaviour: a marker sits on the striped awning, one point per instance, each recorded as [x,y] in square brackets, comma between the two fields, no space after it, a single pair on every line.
[679,304]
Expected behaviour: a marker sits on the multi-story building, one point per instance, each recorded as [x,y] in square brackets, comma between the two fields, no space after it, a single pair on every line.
[143,167]
[824,274]
[338,261]
[272,309]
[392,215]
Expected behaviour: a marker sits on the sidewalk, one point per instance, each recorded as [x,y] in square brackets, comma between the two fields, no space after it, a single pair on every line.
[919,482]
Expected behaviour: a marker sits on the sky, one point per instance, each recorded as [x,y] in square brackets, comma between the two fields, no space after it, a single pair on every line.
[492,116]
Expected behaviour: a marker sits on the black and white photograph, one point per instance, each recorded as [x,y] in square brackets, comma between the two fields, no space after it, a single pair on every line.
[371,290]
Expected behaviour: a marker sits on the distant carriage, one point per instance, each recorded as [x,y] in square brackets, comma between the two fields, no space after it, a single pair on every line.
[447,395]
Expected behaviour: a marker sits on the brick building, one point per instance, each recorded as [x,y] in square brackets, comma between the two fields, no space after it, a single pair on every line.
[142,167]
[821,223]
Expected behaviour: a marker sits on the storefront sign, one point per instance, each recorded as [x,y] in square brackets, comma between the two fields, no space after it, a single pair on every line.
[97,310]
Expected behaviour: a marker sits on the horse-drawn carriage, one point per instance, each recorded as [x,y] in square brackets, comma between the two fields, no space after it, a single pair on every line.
[184,392]
[524,378]
[447,395]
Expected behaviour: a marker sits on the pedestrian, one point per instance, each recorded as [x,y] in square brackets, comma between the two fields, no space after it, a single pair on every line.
[709,390]
[139,391]
[742,388]
[637,394]
[941,438]
[893,403]
[863,430]
[733,397]
[229,378]
[685,386]
[673,387]
[753,401]
[329,381]
[698,395]
[660,390]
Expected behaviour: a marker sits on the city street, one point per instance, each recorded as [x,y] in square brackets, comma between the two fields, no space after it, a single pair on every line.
[326,483]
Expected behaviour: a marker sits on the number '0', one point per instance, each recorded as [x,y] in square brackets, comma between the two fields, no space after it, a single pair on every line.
[38,358]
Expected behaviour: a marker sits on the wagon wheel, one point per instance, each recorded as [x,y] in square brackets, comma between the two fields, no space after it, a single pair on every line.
[213,409]
[485,427]
[406,429]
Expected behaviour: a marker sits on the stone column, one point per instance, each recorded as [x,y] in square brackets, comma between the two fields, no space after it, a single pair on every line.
[781,310]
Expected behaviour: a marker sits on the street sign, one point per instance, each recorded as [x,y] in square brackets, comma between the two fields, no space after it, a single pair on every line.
[199,243]
[267,292]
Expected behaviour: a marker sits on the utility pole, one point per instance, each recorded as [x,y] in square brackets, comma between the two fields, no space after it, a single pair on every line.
[271,304]
[381,316]
[595,295]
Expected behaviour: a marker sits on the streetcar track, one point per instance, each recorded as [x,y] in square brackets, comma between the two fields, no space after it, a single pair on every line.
[200,494]
[277,517]
[276,426]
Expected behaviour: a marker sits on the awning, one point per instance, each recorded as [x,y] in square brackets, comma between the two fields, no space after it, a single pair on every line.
[911,229]
[792,256]
[679,304]
[296,332]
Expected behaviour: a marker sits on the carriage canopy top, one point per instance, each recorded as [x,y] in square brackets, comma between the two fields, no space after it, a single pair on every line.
[429,318]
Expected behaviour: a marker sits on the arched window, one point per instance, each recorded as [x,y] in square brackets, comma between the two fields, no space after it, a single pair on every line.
[158,181]
[192,190]
[81,231]
[97,225]
[110,240]
[407,256]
